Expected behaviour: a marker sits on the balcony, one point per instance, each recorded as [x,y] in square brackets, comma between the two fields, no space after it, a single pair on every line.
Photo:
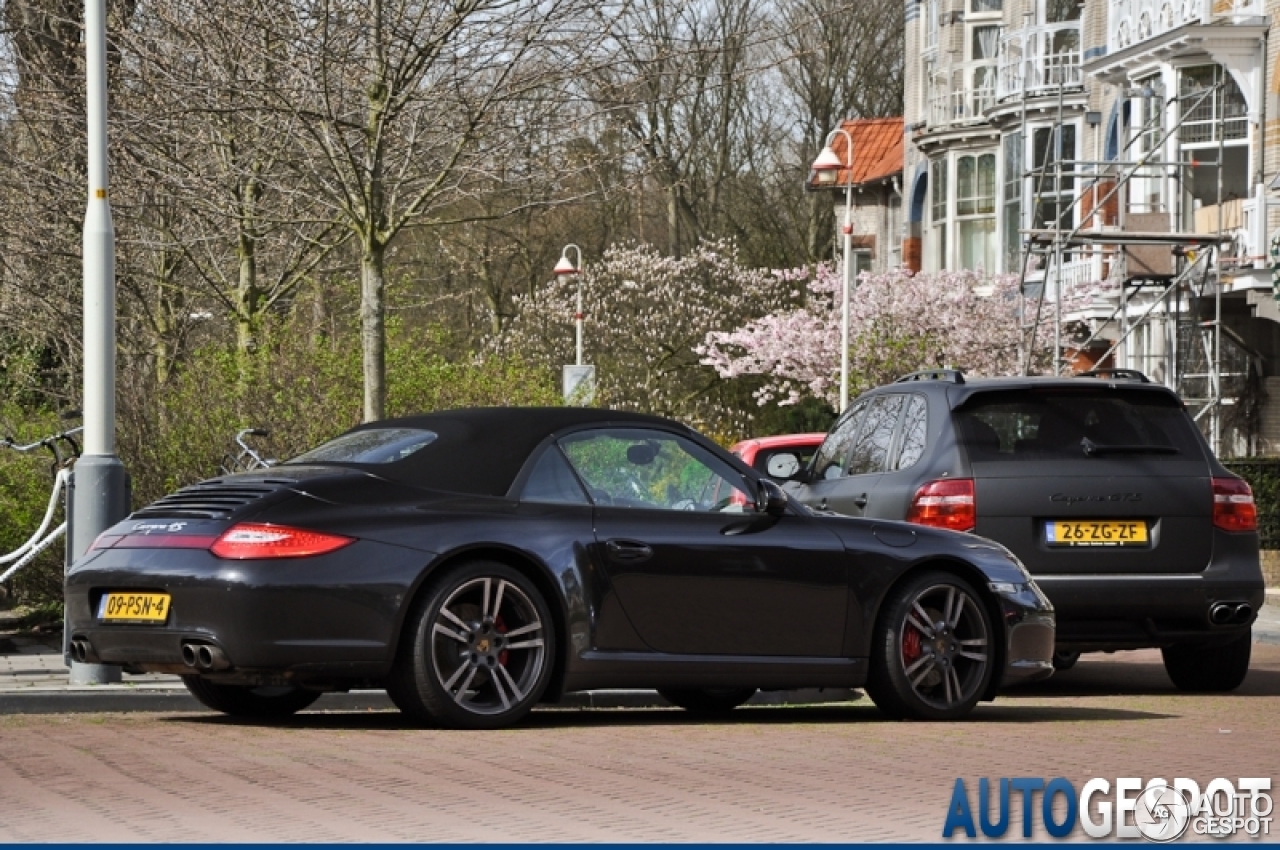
[960,93]
[1133,22]
[1039,60]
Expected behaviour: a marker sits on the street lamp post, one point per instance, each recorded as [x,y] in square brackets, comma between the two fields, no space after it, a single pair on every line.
[579,380]
[100,496]
[826,171]
[567,268]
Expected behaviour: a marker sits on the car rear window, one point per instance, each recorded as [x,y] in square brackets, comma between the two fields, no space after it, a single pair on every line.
[1065,423]
[374,445]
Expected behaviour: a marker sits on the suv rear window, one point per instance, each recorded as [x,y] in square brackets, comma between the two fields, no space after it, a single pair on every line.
[1053,424]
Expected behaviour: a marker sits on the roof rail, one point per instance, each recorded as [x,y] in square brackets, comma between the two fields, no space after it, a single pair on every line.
[951,376]
[1116,375]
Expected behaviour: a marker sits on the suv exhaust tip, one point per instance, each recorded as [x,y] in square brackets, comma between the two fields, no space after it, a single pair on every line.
[1230,613]
[1221,613]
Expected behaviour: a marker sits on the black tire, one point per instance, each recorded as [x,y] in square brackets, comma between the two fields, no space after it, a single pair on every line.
[1065,660]
[456,668]
[933,649]
[710,701]
[1206,669]
[261,702]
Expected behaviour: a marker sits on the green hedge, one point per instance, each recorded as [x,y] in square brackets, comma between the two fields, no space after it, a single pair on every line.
[1263,475]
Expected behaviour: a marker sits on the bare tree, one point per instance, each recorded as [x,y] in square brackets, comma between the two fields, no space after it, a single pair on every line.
[405,105]
[837,59]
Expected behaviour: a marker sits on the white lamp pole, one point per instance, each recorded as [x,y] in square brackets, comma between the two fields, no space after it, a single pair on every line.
[826,172]
[566,268]
[100,496]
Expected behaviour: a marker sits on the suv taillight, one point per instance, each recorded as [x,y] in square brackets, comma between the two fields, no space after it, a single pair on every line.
[254,540]
[1233,508]
[945,503]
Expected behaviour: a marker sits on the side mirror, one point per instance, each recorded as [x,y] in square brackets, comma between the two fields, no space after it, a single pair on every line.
[770,498]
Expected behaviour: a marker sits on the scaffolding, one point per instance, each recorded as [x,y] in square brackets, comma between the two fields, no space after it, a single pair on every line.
[1185,294]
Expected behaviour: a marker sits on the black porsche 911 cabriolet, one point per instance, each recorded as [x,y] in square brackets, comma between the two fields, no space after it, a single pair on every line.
[477,562]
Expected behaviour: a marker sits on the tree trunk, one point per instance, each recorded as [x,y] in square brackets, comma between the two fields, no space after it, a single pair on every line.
[373,332]
[673,222]
[249,296]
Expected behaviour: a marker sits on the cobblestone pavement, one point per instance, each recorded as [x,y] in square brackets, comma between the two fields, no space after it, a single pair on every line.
[821,773]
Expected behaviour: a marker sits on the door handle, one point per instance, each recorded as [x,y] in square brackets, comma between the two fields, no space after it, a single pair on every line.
[628,551]
[860,500]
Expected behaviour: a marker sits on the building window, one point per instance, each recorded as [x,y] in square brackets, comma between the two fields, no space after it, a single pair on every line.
[980,6]
[1146,193]
[1060,11]
[1012,201]
[975,210]
[1053,196]
[931,11]
[1206,115]
[938,209]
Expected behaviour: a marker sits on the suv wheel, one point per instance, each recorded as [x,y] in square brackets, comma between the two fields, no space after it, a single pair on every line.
[933,649]
[1065,660]
[1197,667]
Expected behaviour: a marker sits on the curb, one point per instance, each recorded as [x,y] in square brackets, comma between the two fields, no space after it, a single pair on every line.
[165,697]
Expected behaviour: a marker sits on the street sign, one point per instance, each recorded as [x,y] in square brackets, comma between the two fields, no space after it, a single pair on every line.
[579,383]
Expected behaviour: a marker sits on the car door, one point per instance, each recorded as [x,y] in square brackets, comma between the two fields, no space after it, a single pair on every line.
[898,483]
[845,485]
[694,567]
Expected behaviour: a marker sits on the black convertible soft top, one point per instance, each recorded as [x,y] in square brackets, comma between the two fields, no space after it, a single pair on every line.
[481,450]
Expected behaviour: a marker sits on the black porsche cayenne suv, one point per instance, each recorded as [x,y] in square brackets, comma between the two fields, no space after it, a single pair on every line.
[1101,485]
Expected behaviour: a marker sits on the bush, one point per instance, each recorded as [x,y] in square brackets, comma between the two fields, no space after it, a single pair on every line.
[304,390]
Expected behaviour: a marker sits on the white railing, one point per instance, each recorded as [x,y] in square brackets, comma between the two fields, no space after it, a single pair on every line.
[1135,21]
[1038,60]
[960,93]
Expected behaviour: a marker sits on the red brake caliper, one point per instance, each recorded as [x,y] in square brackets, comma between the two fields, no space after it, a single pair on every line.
[910,644]
[501,628]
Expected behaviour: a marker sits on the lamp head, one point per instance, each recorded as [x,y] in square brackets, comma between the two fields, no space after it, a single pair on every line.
[826,168]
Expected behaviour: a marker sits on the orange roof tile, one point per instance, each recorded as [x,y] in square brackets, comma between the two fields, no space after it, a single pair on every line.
[877,150]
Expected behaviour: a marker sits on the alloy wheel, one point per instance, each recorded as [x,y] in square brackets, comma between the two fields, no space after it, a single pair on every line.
[488,645]
[945,646]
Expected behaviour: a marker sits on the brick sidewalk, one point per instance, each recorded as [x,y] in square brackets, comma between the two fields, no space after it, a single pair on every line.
[828,773]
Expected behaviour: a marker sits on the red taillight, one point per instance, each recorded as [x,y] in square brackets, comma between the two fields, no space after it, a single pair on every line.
[945,503]
[257,540]
[1233,508]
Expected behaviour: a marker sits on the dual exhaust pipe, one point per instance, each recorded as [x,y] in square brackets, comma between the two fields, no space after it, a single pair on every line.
[204,656]
[1230,613]
[81,652]
[198,656]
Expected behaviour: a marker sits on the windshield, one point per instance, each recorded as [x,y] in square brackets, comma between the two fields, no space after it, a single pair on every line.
[375,445]
[1066,423]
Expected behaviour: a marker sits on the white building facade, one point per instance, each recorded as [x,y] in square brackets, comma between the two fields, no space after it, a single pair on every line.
[1036,130]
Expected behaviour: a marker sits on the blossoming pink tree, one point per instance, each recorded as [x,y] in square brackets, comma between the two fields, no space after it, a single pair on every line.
[899,322]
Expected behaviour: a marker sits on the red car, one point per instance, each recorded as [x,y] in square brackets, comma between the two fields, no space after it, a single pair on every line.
[779,457]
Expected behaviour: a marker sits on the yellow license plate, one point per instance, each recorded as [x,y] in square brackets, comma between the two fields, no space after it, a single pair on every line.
[134,607]
[1097,533]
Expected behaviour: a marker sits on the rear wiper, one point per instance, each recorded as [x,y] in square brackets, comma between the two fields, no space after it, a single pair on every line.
[1091,448]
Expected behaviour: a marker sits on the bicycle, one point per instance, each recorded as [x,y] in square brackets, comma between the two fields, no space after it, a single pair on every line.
[65,450]
[246,459]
